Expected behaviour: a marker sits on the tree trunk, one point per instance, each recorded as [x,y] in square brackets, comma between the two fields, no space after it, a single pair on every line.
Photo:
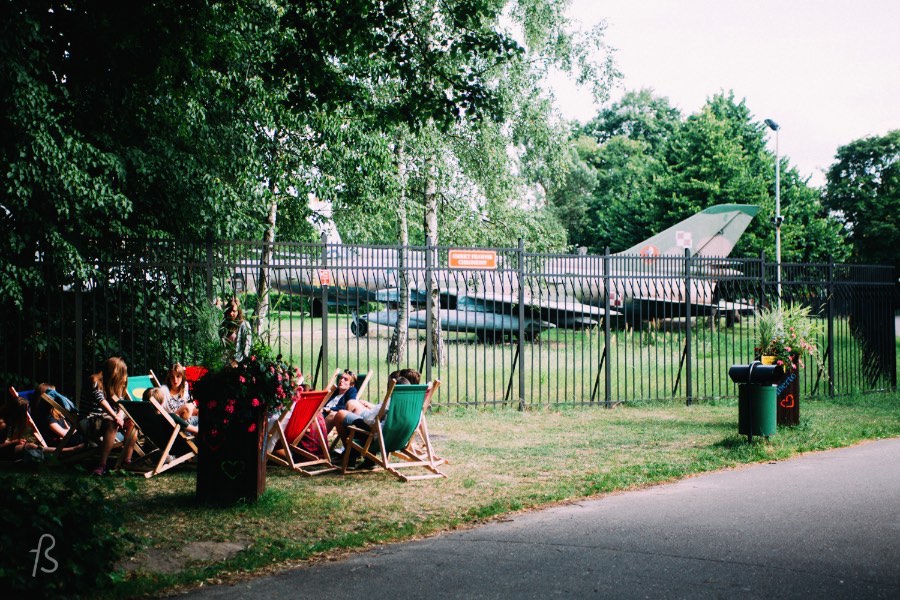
[431,240]
[262,286]
[397,346]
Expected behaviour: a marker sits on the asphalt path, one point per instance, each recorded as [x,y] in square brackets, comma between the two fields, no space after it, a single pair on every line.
[822,525]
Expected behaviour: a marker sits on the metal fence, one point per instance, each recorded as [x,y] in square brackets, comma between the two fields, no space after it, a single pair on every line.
[515,328]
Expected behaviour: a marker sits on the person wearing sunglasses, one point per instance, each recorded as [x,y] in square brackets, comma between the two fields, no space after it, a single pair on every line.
[345,392]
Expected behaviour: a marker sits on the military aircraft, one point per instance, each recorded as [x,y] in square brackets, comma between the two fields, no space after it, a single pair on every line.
[569,291]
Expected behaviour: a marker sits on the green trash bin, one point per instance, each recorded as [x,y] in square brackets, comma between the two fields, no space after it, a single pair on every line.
[756,410]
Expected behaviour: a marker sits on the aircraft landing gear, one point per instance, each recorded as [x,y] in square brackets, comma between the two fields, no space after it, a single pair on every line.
[358,327]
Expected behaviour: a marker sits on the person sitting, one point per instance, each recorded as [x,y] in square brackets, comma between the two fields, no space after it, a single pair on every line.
[51,422]
[159,395]
[176,393]
[13,424]
[105,416]
[346,391]
[367,410]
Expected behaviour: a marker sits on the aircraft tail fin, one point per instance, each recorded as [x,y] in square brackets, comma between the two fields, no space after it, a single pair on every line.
[711,232]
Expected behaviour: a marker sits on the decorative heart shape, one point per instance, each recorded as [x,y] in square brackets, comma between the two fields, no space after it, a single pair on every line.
[787,401]
[232,468]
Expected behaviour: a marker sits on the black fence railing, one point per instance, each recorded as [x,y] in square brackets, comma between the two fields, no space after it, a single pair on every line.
[510,327]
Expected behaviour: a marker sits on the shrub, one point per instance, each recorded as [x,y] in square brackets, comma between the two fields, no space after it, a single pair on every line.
[79,536]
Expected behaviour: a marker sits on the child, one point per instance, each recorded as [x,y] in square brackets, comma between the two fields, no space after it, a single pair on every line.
[235,332]
[13,422]
[160,396]
[177,397]
[108,387]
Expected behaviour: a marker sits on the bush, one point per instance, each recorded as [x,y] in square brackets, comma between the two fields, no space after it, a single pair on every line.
[79,536]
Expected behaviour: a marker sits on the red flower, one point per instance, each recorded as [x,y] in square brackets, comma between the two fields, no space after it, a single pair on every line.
[254,403]
[193,374]
[229,409]
[252,427]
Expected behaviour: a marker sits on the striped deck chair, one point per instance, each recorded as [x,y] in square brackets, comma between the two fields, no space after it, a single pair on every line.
[387,443]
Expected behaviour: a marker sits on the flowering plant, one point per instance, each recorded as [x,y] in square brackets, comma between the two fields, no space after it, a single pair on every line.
[788,333]
[236,395]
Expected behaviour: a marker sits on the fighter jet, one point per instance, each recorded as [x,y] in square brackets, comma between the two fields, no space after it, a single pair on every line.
[569,291]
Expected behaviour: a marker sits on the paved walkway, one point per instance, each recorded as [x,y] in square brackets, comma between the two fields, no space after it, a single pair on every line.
[824,525]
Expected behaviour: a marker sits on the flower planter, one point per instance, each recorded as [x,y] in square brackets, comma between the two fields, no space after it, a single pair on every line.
[788,398]
[231,464]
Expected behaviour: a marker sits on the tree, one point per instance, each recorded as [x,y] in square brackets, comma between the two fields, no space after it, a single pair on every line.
[863,190]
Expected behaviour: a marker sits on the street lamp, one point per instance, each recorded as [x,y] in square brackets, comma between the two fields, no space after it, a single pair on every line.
[778,218]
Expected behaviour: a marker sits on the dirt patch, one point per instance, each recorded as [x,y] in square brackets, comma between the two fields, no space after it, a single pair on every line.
[172,560]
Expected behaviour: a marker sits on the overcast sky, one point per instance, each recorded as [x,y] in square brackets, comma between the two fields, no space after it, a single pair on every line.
[827,71]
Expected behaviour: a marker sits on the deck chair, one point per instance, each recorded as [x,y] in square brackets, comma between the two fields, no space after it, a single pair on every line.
[41,430]
[387,443]
[289,429]
[138,383]
[420,438]
[158,427]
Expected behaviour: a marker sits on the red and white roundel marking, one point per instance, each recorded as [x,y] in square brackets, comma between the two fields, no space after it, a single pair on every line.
[650,251]
[683,239]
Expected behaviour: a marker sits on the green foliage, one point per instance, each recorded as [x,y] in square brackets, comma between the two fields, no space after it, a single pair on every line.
[649,169]
[863,188]
[83,535]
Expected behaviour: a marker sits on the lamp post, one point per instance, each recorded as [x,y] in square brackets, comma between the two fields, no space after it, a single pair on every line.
[778,218]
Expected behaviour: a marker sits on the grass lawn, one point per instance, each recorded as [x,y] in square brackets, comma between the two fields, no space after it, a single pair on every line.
[502,461]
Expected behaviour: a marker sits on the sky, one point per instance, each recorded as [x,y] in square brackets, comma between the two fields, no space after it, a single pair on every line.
[827,71]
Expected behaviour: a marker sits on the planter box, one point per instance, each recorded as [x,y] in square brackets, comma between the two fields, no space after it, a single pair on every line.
[231,466]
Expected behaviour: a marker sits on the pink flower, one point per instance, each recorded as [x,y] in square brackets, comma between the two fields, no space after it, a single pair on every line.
[780,362]
[252,427]
[230,408]
[242,379]
[252,359]
[254,402]
[787,348]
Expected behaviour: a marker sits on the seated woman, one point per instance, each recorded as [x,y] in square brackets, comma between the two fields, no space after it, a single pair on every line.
[366,411]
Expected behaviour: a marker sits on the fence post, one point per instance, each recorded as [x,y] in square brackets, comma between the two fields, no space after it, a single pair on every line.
[79,341]
[521,341]
[324,300]
[762,278]
[687,320]
[428,307]
[209,269]
[830,330]
[607,332]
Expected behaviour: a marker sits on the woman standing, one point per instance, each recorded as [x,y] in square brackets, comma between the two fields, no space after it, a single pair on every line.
[235,332]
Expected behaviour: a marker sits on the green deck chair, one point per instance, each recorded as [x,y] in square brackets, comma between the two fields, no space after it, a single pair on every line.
[388,443]
[138,383]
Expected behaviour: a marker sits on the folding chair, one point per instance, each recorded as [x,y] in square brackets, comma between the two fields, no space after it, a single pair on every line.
[418,441]
[158,427]
[42,431]
[137,384]
[362,382]
[387,443]
[289,429]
